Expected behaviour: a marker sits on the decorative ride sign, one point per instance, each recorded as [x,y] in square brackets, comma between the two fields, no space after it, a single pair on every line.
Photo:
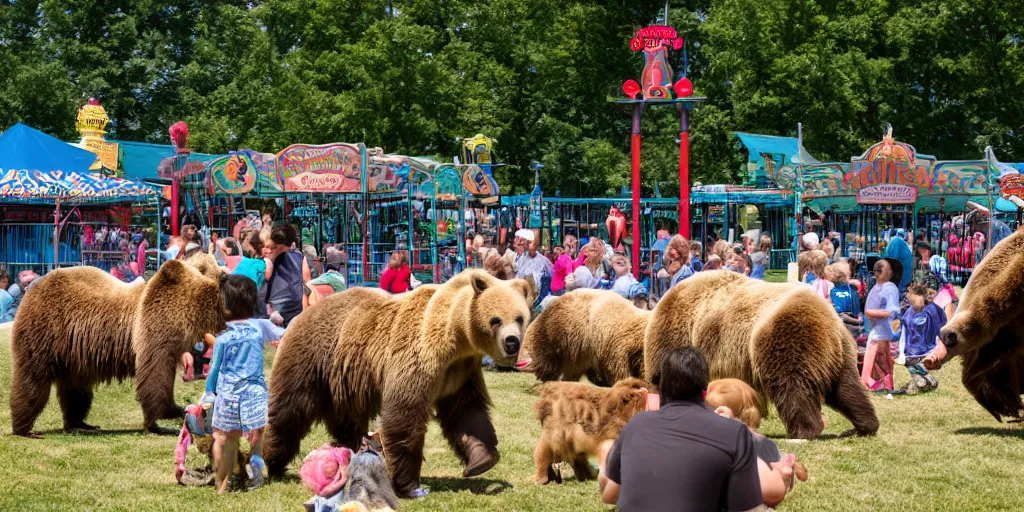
[329,168]
[655,42]
[887,194]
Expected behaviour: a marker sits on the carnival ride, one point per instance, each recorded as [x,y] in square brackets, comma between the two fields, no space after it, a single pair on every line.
[371,203]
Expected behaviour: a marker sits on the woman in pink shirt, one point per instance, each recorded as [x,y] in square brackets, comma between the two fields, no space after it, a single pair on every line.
[396,278]
[564,265]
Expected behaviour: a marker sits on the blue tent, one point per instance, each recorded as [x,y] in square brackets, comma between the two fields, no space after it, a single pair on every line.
[24,147]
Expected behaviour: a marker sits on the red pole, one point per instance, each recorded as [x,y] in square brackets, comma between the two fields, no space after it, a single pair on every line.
[174,206]
[637,112]
[684,172]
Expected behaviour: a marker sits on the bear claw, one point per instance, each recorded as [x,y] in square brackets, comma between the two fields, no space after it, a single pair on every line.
[479,460]
[80,427]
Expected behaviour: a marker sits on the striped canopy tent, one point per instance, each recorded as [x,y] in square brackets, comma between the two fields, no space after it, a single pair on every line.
[22,186]
[45,187]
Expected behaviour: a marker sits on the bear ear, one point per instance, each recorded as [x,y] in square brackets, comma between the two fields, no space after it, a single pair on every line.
[527,286]
[479,283]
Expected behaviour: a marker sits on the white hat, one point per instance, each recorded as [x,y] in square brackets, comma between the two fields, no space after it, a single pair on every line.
[811,239]
[525,234]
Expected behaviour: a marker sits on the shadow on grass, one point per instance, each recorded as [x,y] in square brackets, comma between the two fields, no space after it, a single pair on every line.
[287,478]
[96,433]
[1017,432]
[823,437]
[474,485]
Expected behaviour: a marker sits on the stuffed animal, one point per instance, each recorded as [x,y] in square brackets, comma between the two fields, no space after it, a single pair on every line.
[616,224]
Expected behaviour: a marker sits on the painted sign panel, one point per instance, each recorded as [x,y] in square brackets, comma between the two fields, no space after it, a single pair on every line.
[268,175]
[478,182]
[446,182]
[1012,185]
[387,173]
[328,168]
[233,174]
[655,42]
[887,194]
[890,162]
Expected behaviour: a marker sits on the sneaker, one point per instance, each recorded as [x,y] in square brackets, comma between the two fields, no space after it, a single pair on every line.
[254,470]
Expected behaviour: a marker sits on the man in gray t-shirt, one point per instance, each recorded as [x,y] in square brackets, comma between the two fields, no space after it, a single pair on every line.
[682,456]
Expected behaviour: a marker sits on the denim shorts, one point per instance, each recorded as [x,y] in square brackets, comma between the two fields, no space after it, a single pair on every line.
[245,410]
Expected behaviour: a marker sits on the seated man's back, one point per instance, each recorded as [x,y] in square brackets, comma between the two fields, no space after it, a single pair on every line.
[685,457]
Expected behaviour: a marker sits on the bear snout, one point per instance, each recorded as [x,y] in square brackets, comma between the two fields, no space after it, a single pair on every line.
[511,345]
[949,338]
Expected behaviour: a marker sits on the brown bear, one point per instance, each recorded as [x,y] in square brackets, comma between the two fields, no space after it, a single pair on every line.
[577,418]
[781,338]
[596,333]
[987,330]
[361,352]
[79,327]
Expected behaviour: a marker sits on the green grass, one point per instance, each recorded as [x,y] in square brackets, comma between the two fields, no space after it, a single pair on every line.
[939,451]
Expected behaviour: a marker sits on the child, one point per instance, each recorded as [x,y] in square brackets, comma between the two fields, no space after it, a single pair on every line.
[235,384]
[811,265]
[880,309]
[713,263]
[920,331]
[844,298]
[257,267]
[623,280]
[735,399]
[695,261]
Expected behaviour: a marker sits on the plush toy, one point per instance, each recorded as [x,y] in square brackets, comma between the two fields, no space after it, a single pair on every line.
[364,476]
[616,224]
[325,470]
[198,429]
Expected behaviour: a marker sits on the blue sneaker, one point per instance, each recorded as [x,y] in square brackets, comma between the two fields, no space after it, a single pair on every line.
[255,471]
[488,362]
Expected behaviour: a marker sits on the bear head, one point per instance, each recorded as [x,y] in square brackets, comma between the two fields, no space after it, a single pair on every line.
[205,264]
[990,302]
[987,330]
[500,313]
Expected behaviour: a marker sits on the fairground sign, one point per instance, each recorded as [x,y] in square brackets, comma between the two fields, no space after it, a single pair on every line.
[1012,185]
[328,168]
[655,42]
[887,194]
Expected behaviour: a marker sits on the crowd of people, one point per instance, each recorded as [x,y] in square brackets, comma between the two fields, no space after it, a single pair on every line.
[895,314]
[591,263]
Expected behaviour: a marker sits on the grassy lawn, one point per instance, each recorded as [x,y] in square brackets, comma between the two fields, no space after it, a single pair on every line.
[935,452]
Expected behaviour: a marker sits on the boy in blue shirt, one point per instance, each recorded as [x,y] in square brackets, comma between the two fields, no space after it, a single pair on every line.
[844,298]
[920,331]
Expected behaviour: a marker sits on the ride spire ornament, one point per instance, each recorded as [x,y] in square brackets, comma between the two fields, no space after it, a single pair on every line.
[655,42]
[656,87]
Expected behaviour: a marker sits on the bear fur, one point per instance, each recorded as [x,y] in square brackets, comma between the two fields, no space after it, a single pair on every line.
[596,333]
[576,418]
[987,330]
[361,352]
[79,327]
[781,338]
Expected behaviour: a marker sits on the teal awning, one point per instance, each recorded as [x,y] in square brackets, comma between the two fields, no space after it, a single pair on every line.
[787,147]
[140,160]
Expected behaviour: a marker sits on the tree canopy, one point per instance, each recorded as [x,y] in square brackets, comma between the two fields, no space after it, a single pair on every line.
[415,76]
